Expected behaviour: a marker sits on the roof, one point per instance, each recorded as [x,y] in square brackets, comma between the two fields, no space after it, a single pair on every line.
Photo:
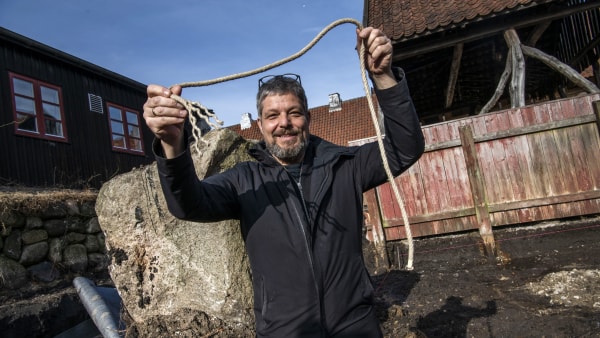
[52,53]
[406,19]
[352,122]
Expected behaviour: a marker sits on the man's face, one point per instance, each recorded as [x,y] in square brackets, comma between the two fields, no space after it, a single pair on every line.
[284,126]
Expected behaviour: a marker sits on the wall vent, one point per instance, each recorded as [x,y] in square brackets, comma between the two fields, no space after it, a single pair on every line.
[96,105]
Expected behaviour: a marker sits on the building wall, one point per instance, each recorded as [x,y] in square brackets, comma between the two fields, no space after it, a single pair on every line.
[87,158]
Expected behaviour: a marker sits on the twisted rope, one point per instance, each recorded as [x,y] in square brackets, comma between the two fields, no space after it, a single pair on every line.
[197,110]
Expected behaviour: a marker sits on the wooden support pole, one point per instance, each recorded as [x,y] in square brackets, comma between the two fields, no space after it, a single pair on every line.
[477,190]
[374,219]
[501,85]
[517,84]
[596,106]
[564,69]
[456,58]
[537,33]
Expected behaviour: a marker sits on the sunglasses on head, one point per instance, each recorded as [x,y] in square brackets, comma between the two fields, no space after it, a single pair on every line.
[267,78]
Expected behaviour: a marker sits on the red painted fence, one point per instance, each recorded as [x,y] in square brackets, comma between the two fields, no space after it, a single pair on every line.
[528,164]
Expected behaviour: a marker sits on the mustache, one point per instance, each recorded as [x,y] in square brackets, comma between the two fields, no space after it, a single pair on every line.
[287,132]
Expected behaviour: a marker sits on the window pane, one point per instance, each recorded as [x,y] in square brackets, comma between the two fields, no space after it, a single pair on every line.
[27,122]
[132,118]
[135,144]
[23,87]
[134,131]
[115,113]
[49,94]
[51,111]
[25,105]
[118,141]
[53,127]
[117,128]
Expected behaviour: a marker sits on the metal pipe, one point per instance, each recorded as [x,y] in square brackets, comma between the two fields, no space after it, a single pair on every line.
[103,305]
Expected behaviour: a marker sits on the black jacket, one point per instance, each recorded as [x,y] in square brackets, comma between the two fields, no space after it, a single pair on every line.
[303,241]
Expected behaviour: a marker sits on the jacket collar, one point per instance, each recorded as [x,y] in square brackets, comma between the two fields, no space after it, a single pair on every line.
[317,148]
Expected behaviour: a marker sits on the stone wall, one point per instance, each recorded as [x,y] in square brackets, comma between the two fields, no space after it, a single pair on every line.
[47,237]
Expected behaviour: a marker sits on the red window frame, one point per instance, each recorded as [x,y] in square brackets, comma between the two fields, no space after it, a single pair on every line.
[125,129]
[51,108]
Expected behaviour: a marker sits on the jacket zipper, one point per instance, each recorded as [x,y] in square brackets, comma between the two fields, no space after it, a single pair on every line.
[300,195]
[321,301]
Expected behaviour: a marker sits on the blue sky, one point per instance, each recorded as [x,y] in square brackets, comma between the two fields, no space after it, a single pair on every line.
[169,42]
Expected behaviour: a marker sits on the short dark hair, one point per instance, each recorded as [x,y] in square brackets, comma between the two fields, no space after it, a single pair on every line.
[277,85]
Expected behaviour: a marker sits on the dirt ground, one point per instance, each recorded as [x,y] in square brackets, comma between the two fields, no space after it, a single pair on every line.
[546,283]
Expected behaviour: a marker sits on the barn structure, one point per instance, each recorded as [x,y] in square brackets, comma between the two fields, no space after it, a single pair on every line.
[507,92]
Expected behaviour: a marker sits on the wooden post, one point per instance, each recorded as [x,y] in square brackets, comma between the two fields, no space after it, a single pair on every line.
[477,190]
[596,106]
[456,58]
[564,69]
[501,84]
[374,219]
[517,84]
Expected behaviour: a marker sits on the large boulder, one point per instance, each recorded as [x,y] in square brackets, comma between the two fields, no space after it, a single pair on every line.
[174,274]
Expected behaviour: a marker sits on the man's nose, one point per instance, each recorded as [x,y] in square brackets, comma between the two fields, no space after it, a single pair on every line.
[284,120]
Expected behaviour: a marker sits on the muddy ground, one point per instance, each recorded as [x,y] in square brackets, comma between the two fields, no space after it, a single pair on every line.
[546,283]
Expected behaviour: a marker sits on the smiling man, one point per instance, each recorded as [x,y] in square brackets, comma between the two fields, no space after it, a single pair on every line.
[283,117]
[300,203]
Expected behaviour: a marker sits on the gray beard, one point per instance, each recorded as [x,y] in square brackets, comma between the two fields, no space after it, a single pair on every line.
[289,155]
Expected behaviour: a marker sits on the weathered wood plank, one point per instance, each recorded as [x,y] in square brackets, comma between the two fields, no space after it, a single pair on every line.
[477,189]
[544,201]
[432,173]
[489,176]
[541,178]
[528,115]
[387,201]
[554,162]
[412,190]
[503,187]
[590,138]
[445,180]
[419,190]
[568,179]
[541,113]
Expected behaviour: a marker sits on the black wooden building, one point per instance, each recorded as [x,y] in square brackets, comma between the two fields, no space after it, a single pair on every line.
[65,122]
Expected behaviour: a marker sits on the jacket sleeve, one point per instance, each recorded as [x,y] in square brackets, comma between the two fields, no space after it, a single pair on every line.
[403,140]
[188,197]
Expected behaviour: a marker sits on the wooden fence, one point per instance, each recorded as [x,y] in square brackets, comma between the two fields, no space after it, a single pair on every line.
[529,164]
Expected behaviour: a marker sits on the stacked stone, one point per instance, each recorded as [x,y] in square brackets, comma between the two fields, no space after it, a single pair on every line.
[61,239]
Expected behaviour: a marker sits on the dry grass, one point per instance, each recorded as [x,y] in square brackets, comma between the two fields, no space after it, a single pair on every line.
[37,199]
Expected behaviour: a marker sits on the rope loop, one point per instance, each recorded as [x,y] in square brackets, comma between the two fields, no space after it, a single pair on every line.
[198,111]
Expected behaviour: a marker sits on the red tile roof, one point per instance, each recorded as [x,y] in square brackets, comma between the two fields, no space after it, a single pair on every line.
[404,19]
[352,122]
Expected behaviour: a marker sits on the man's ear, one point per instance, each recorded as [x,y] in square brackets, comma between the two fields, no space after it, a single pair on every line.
[259,123]
[308,116]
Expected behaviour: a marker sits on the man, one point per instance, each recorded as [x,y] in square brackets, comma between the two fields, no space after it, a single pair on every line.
[300,204]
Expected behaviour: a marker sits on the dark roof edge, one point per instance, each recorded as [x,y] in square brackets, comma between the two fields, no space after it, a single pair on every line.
[54,53]
[365,18]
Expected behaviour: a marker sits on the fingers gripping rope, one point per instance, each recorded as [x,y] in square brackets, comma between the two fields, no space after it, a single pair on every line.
[197,110]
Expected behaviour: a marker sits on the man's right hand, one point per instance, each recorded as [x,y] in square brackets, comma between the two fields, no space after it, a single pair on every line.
[165,118]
